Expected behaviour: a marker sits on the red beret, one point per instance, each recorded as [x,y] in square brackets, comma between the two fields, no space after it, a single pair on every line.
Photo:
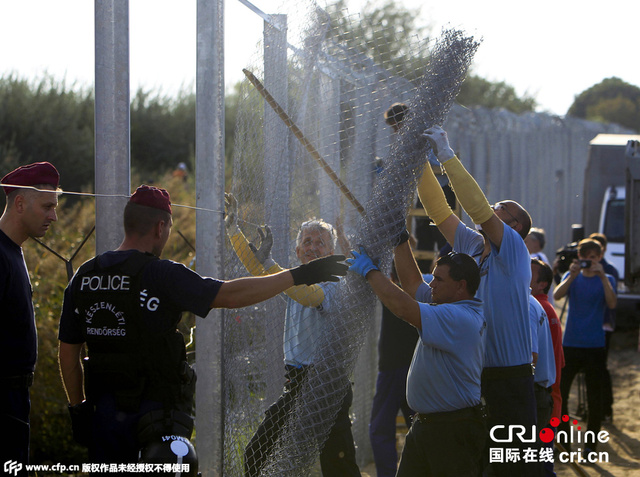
[152,197]
[38,173]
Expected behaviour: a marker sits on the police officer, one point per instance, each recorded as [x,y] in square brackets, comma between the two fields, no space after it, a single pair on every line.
[31,207]
[125,305]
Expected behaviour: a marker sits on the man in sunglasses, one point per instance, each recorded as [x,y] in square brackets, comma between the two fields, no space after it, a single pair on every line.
[499,248]
[443,385]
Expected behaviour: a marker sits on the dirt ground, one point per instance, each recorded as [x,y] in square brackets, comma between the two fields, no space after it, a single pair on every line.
[623,447]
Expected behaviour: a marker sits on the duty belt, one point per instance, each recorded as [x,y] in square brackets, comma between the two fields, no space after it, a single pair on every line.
[451,416]
[506,372]
[17,382]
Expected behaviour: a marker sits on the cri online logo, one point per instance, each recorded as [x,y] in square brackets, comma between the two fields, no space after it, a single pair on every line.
[547,434]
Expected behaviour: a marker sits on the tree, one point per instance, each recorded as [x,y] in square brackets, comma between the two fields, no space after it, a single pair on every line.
[477,91]
[392,37]
[385,32]
[46,120]
[610,101]
[162,131]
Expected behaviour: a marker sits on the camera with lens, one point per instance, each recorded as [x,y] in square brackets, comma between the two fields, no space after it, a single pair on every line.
[567,254]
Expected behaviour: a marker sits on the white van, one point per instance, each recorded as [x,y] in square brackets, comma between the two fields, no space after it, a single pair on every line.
[612,225]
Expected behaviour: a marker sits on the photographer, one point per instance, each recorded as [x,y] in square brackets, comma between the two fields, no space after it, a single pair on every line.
[591,292]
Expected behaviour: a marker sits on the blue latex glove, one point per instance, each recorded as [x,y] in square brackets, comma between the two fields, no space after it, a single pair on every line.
[361,263]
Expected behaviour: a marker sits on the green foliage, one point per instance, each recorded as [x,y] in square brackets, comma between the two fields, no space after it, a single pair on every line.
[610,101]
[476,91]
[47,121]
[162,132]
[385,32]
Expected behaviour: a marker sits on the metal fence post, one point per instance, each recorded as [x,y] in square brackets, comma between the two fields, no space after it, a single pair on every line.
[112,155]
[210,229]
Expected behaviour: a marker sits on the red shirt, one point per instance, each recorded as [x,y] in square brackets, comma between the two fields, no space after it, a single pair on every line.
[556,337]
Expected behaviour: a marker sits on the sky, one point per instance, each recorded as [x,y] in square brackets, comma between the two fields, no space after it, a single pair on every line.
[552,50]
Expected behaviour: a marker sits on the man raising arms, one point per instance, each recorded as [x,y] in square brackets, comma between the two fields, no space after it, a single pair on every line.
[505,270]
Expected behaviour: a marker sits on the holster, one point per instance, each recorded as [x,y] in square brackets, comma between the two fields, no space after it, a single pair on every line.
[82,422]
[155,424]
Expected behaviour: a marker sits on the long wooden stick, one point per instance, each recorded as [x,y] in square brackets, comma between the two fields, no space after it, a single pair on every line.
[305,142]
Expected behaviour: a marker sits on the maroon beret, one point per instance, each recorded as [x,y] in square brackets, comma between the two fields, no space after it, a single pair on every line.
[152,197]
[38,173]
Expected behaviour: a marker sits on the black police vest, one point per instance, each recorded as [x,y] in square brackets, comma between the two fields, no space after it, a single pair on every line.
[126,357]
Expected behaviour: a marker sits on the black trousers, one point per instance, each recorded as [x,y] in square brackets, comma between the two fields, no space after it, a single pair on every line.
[607,391]
[593,362]
[15,405]
[338,455]
[444,447]
[510,401]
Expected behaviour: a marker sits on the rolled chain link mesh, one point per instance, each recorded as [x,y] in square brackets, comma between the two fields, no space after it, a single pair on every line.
[336,96]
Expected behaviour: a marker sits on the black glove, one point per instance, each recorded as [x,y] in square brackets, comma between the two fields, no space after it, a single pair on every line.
[263,254]
[325,269]
[81,422]
[402,238]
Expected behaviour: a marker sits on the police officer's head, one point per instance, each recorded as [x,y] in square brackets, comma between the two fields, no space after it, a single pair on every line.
[32,197]
[148,215]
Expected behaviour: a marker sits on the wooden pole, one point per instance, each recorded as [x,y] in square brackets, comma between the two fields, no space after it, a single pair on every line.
[305,142]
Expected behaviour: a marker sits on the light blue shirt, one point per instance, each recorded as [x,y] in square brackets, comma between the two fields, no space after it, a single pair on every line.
[446,369]
[545,374]
[304,327]
[505,276]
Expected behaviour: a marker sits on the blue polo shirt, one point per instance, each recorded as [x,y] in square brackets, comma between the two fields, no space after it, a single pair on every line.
[304,327]
[505,275]
[447,363]
[545,374]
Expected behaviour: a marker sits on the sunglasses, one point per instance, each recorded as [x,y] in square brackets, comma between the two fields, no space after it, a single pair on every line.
[501,206]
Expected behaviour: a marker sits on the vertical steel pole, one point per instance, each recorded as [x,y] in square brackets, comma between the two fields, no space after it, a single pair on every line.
[112,160]
[329,146]
[277,160]
[210,229]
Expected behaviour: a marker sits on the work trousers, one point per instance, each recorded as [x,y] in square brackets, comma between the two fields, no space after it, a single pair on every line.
[338,454]
[449,445]
[390,397]
[510,401]
[544,403]
[15,406]
[607,388]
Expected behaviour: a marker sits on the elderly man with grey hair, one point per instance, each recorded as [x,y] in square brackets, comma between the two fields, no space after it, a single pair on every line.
[535,242]
[303,329]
